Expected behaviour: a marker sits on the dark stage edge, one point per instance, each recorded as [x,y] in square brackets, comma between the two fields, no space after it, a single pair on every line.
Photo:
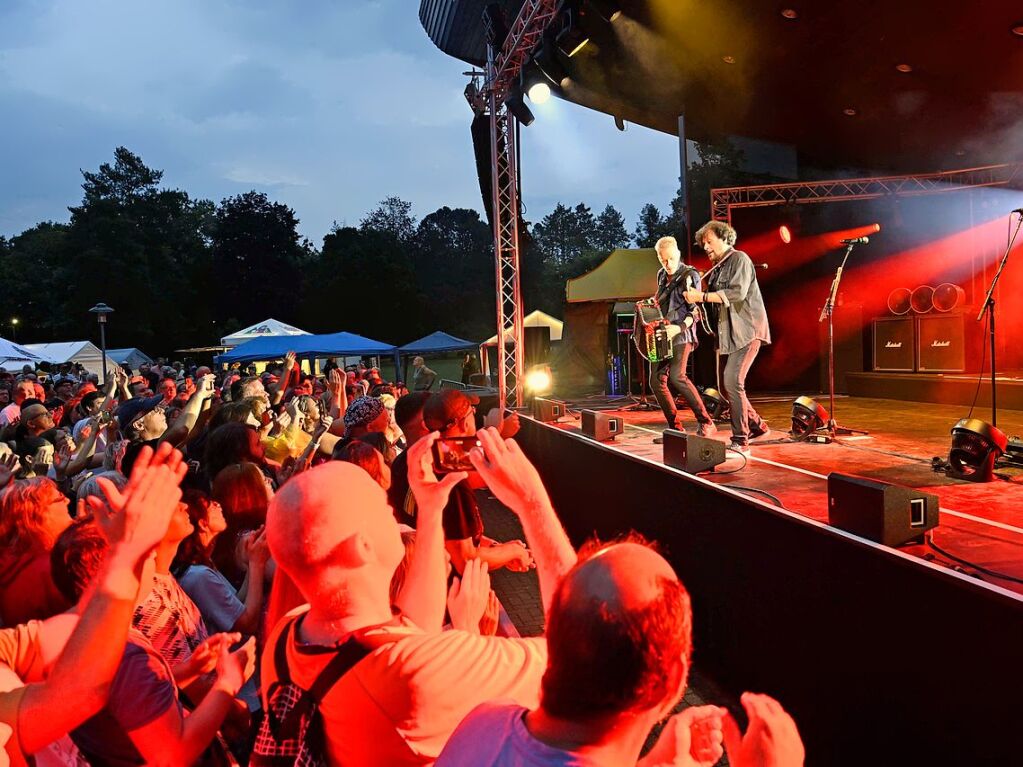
[882,657]
[943,389]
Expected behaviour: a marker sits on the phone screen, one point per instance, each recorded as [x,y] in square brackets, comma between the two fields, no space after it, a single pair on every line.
[452,454]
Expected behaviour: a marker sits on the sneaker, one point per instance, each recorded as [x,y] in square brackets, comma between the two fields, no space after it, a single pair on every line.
[706,429]
[761,431]
[735,447]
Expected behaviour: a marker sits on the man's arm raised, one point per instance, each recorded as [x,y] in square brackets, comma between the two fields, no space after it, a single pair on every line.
[516,483]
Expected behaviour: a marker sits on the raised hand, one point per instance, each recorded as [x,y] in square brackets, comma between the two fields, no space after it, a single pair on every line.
[336,383]
[469,596]
[289,361]
[135,519]
[771,740]
[9,465]
[522,560]
[506,470]
[235,668]
[431,494]
[491,616]
[690,739]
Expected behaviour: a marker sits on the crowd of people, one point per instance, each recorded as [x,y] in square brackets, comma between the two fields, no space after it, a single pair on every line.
[219,568]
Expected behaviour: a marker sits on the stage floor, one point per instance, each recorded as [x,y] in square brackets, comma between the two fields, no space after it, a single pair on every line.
[981,523]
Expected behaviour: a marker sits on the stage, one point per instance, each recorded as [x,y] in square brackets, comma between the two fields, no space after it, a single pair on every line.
[884,656]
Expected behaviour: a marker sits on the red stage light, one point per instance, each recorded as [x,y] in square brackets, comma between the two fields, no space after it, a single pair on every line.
[785,234]
[877,228]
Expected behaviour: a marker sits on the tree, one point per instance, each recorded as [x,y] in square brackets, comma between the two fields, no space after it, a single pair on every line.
[257,258]
[719,165]
[565,234]
[610,232]
[650,227]
[125,181]
[394,216]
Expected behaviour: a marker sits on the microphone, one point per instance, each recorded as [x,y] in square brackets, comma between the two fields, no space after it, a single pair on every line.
[1018,210]
[856,241]
[761,266]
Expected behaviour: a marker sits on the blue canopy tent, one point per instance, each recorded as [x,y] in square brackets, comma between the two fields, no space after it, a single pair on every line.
[436,343]
[310,346]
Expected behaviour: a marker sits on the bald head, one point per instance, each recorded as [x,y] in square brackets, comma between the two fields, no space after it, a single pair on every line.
[619,635]
[330,529]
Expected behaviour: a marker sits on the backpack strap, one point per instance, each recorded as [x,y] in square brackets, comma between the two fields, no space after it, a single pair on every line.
[345,657]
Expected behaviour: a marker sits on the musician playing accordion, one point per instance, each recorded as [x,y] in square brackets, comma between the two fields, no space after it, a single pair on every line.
[673,279]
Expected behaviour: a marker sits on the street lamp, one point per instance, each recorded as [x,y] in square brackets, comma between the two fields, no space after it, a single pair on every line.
[101,310]
[14,329]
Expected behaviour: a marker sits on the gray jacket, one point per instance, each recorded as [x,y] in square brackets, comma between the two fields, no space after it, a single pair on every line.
[742,318]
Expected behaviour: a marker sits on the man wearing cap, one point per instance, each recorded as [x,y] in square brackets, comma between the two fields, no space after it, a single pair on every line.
[142,419]
[452,412]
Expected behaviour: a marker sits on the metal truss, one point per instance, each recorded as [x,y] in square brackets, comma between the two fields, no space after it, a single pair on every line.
[503,68]
[724,200]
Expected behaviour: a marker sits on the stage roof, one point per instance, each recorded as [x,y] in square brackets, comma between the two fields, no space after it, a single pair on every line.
[791,80]
[624,274]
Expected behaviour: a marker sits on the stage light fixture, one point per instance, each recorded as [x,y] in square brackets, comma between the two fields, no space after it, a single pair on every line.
[785,234]
[539,93]
[807,416]
[716,404]
[976,445]
[608,9]
[877,228]
[572,38]
[517,106]
[547,60]
[539,380]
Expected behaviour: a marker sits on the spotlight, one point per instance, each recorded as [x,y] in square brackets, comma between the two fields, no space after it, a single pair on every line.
[517,106]
[572,38]
[539,92]
[807,417]
[976,445]
[539,380]
[608,9]
[785,234]
[548,61]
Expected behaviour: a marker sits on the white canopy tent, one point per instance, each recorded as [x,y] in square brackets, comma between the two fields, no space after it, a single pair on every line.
[534,319]
[264,329]
[14,356]
[84,352]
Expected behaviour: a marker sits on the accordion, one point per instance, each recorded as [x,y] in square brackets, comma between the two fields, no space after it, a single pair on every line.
[652,333]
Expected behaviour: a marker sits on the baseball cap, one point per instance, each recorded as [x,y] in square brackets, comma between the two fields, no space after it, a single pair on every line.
[133,409]
[445,408]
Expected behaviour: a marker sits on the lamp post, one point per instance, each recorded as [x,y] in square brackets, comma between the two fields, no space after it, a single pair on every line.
[101,310]
[14,329]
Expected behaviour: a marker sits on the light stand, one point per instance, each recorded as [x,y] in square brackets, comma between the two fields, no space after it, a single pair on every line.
[989,307]
[101,310]
[832,428]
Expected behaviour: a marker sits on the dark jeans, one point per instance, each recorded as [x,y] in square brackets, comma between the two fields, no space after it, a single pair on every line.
[671,374]
[734,382]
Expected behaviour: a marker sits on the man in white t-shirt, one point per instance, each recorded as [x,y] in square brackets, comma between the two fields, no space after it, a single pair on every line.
[332,532]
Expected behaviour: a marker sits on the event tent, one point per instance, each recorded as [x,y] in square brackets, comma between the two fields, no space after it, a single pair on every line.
[625,274]
[133,358]
[310,346]
[264,329]
[437,342]
[534,319]
[86,353]
[13,354]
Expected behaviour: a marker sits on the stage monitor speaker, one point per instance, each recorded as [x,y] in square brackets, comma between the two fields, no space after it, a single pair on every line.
[893,344]
[941,343]
[880,511]
[601,426]
[547,410]
[537,345]
[691,453]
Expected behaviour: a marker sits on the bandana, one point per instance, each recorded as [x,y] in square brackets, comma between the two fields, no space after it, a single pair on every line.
[362,411]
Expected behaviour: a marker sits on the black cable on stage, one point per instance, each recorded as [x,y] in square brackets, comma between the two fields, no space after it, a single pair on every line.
[929,539]
[745,462]
[744,489]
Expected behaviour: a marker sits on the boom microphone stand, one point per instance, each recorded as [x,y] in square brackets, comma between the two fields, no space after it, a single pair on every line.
[989,307]
[832,427]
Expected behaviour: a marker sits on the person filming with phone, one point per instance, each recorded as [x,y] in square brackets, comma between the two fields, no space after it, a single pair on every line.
[453,413]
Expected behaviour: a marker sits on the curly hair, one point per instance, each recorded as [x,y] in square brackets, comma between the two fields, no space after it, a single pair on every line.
[724,232]
[23,507]
[76,558]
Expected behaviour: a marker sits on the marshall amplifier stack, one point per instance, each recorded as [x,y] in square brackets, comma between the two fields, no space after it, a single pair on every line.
[932,338]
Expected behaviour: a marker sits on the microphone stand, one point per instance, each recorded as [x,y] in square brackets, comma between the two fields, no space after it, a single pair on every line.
[832,428]
[989,307]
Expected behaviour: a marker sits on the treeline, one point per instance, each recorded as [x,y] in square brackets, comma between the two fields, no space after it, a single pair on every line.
[183,272]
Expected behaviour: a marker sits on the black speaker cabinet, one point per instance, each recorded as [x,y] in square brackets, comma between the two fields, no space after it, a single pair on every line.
[894,341]
[601,426]
[883,512]
[547,410]
[691,453]
[940,343]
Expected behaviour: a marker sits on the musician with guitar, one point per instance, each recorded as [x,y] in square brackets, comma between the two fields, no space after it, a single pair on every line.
[673,279]
[741,324]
